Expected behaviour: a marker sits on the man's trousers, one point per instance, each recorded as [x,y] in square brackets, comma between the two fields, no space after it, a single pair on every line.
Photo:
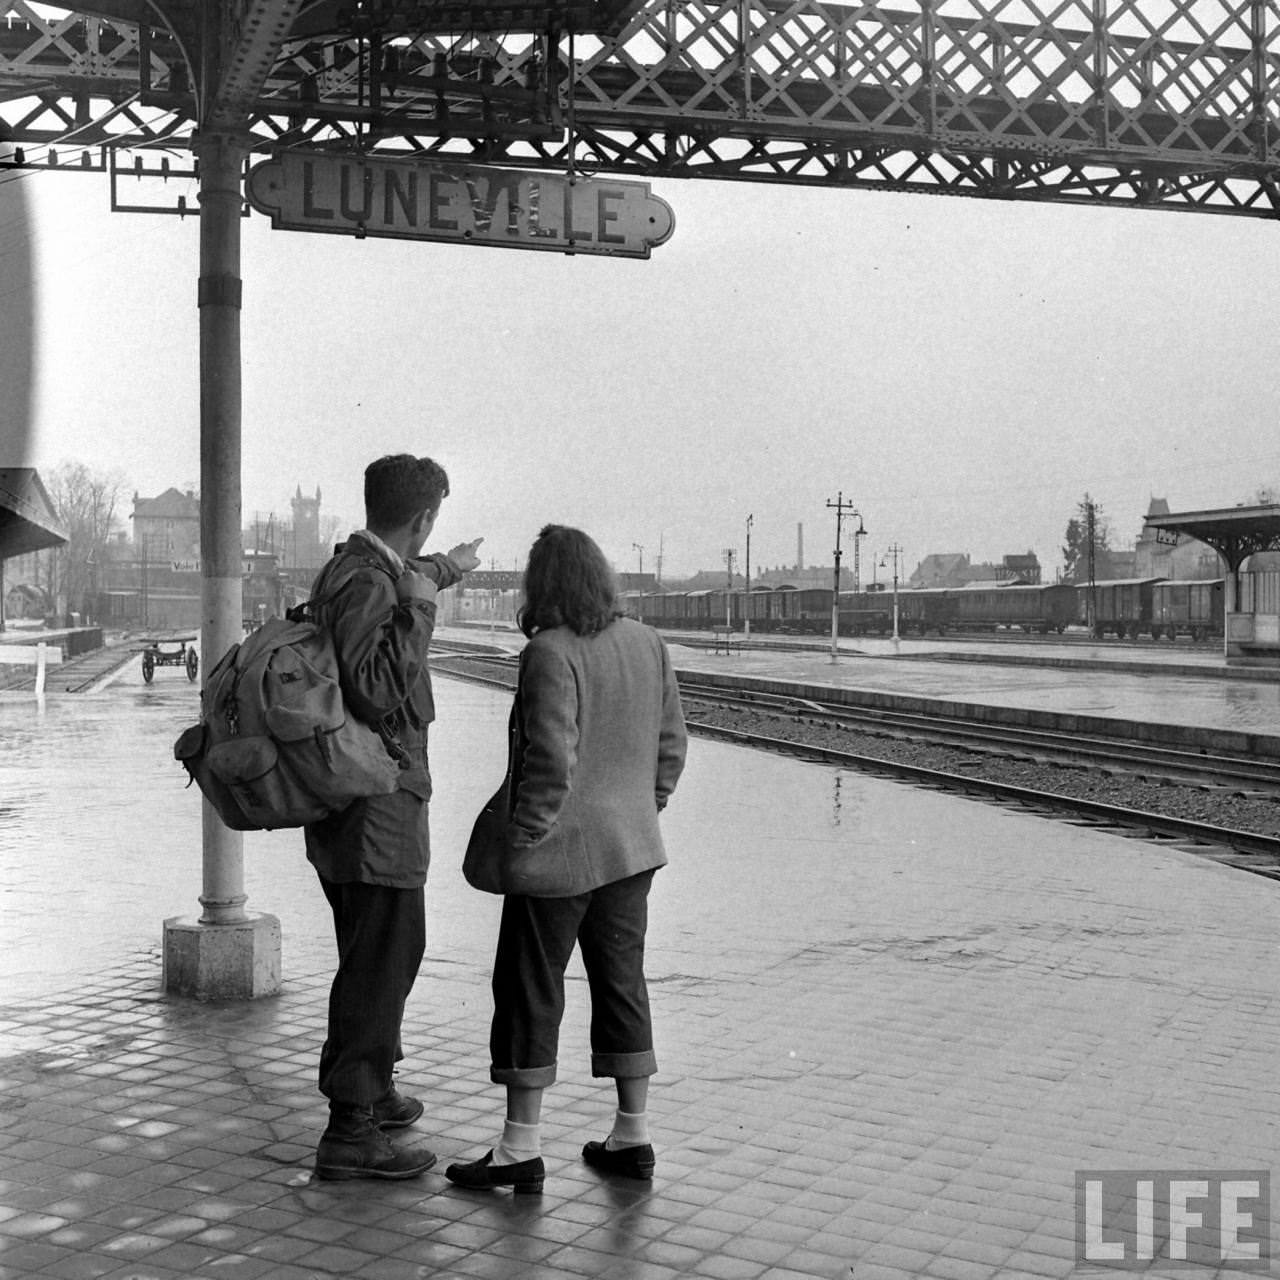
[381,936]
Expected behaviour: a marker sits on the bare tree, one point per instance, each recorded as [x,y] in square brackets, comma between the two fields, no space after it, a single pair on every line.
[330,526]
[87,503]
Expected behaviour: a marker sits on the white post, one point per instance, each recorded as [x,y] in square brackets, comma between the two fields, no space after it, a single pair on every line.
[42,657]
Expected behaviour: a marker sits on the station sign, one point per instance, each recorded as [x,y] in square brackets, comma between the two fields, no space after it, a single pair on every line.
[416,199]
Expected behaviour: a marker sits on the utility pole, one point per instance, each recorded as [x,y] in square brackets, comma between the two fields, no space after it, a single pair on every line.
[842,509]
[639,550]
[859,532]
[1091,531]
[658,566]
[728,593]
[895,551]
[746,608]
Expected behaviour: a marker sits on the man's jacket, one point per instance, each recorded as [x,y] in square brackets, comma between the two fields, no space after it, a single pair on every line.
[381,646]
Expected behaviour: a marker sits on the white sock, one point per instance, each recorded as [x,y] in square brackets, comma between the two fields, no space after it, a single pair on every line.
[630,1129]
[519,1142]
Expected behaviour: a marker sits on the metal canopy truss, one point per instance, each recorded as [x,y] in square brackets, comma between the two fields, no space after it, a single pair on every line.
[1235,533]
[1154,103]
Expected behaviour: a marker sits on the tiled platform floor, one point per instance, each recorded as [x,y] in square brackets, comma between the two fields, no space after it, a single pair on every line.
[891,1027]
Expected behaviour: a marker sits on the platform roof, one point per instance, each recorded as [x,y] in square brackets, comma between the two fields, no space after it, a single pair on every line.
[318,19]
[1235,533]
[27,518]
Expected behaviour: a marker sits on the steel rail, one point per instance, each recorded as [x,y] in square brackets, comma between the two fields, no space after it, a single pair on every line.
[1052,746]
[1246,850]
[1250,851]
[1046,745]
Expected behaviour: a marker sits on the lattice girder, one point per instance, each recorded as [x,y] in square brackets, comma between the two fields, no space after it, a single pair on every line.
[1157,102]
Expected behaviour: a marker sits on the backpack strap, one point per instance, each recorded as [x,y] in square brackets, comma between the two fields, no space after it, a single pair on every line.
[309,611]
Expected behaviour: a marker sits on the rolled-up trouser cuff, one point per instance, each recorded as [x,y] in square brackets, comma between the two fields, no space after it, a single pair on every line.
[624,1066]
[524,1077]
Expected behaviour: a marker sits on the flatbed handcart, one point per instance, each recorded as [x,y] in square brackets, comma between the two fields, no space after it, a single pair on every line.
[169,651]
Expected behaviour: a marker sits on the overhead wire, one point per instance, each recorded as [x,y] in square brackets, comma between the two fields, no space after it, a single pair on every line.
[18,174]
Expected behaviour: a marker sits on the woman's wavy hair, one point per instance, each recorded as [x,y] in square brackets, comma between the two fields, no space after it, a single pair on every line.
[567,582]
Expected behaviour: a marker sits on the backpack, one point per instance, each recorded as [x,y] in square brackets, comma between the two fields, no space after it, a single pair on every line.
[275,745]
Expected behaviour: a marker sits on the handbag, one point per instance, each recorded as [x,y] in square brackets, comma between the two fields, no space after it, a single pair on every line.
[490,864]
[483,863]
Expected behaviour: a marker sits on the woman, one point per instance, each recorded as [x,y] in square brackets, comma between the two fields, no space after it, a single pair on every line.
[598,744]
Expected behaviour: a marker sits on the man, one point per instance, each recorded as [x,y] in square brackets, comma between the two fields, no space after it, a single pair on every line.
[379,601]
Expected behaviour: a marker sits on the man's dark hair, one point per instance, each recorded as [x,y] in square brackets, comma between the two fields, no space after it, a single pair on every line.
[568,582]
[399,487]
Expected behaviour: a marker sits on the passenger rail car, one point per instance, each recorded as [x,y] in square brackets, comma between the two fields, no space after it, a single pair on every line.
[925,609]
[1036,607]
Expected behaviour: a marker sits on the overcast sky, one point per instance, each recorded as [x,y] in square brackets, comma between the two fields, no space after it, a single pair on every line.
[963,370]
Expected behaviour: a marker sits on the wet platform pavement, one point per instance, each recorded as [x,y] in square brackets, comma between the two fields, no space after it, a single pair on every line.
[892,1025]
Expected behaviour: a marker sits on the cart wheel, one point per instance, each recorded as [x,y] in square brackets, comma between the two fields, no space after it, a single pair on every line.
[193,664]
[148,665]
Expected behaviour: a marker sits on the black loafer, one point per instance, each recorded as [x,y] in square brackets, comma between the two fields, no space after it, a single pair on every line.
[524,1178]
[629,1162]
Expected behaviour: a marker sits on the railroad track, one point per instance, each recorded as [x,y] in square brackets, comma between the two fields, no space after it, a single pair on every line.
[1256,852]
[1045,746]
[1250,851]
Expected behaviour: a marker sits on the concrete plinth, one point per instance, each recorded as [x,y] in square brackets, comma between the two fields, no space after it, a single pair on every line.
[222,961]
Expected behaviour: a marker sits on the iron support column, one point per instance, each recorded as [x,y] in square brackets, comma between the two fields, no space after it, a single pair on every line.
[228,953]
[221,158]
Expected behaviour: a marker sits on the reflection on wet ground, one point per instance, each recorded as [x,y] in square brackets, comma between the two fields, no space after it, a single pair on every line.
[891,1024]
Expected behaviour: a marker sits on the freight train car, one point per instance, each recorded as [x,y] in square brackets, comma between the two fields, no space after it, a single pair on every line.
[1187,609]
[1121,606]
[866,613]
[808,611]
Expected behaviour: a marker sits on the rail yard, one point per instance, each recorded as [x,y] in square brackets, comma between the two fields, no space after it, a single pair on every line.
[1159,782]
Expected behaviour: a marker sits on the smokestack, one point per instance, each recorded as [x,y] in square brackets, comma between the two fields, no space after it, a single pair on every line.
[800,547]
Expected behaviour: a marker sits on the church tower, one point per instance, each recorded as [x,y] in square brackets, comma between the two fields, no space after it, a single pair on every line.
[307,551]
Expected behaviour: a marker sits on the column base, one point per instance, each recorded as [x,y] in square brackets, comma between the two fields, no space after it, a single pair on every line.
[238,961]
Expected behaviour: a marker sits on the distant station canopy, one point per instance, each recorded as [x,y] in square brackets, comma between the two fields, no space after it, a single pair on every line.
[1235,533]
[27,519]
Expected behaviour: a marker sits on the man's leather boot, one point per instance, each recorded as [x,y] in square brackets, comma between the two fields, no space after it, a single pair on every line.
[354,1147]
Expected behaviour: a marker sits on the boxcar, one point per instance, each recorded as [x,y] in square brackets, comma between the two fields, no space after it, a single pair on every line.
[1122,606]
[803,610]
[1187,609]
[866,612]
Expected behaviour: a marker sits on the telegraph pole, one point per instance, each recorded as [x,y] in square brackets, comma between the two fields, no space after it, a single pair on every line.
[842,509]
[728,593]
[746,608]
[895,551]
[1091,531]
[639,550]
